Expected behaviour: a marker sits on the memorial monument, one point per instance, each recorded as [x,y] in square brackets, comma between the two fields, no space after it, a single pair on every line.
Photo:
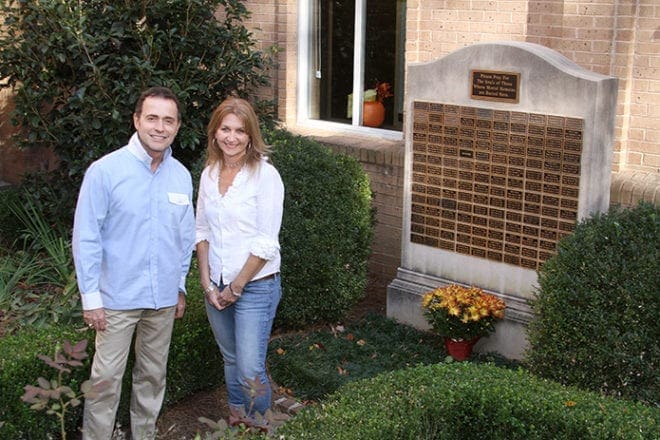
[508,145]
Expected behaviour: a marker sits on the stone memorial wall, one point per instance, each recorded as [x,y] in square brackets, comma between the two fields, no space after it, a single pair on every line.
[508,146]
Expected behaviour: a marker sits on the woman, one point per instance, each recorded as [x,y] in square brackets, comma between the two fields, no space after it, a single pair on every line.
[239,213]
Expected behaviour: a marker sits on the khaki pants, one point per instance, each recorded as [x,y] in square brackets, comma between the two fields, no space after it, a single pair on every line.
[153,332]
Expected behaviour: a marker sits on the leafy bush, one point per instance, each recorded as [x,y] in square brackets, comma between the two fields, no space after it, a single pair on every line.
[467,401]
[77,69]
[19,366]
[194,364]
[37,279]
[598,305]
[326,230]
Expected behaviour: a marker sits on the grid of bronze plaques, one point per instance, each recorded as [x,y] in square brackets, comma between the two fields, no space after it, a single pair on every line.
[494,184]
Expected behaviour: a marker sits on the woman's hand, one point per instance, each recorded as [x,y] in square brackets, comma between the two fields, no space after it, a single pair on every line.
[221,299]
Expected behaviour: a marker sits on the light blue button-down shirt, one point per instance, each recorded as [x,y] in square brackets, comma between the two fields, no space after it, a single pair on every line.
[134,231]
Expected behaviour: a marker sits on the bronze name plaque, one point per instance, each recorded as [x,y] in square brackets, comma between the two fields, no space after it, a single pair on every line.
[501,185]
[494,86]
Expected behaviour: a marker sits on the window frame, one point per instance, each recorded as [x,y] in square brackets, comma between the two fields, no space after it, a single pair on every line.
[306,18]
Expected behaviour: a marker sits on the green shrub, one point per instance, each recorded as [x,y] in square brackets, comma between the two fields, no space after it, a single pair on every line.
[598,304]
[326,230]
[194,364]
[37,279]
[19,366]
[467,401]
[77,69]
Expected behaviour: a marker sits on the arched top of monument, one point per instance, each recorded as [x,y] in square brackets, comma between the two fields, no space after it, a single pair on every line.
[510,55]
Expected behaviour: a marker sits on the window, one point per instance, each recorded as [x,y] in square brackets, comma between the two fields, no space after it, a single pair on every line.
[347,47]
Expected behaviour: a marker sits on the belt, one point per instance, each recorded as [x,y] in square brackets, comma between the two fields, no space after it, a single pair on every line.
[267,277]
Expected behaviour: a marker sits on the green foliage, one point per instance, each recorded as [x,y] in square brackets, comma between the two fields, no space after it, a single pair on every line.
[598,305]
[37,280]
[77,69]
[317,363]
[19,366]
[467,401]
[194,364]
[326,230]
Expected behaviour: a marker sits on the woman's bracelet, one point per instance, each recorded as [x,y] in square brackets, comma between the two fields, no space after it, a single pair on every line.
[237,295]
[210,288]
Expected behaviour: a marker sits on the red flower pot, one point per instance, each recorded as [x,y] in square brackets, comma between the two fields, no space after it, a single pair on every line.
[460,349]
[373,113]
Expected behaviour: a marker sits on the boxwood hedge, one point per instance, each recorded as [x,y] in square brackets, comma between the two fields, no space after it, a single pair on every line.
[326,230]
[598,306]
[468,401]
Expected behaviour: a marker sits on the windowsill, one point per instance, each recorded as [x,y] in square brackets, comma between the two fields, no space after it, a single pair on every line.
[372,139]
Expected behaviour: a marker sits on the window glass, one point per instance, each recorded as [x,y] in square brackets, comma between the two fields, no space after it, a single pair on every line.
[335,48]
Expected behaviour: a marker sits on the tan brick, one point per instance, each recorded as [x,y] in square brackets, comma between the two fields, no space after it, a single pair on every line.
[634,159]
[651,160]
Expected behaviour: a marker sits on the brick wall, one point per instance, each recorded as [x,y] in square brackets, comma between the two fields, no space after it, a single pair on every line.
[273,24]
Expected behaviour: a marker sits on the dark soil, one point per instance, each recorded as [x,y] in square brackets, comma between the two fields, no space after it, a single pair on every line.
[180,422]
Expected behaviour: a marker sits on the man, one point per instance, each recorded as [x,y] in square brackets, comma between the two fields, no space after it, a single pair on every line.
[132,243]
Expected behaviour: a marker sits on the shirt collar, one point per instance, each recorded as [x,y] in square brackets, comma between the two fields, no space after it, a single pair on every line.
[137,150]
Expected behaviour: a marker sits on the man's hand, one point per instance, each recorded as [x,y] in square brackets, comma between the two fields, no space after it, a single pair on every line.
[95,319]
[180,306]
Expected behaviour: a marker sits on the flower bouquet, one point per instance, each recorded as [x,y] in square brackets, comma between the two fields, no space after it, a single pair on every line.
[462,313]
[381,91]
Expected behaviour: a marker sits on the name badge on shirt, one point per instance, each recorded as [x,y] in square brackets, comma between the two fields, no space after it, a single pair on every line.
[178,199]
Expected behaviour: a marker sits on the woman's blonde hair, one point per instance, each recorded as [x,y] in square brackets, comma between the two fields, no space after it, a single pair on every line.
[244,111]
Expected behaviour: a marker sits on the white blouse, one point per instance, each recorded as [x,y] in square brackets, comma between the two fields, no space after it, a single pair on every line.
[246,220]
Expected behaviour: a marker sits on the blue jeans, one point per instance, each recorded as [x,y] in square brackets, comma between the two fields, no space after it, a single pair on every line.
[242,332]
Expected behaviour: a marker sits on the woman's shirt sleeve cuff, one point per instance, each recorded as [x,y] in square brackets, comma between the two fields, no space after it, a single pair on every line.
[265,248]
[201,236]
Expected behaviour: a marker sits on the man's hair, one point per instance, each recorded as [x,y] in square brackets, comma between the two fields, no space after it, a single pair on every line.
[158,92]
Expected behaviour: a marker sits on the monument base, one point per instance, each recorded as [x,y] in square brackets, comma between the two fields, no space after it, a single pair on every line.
[404,299]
